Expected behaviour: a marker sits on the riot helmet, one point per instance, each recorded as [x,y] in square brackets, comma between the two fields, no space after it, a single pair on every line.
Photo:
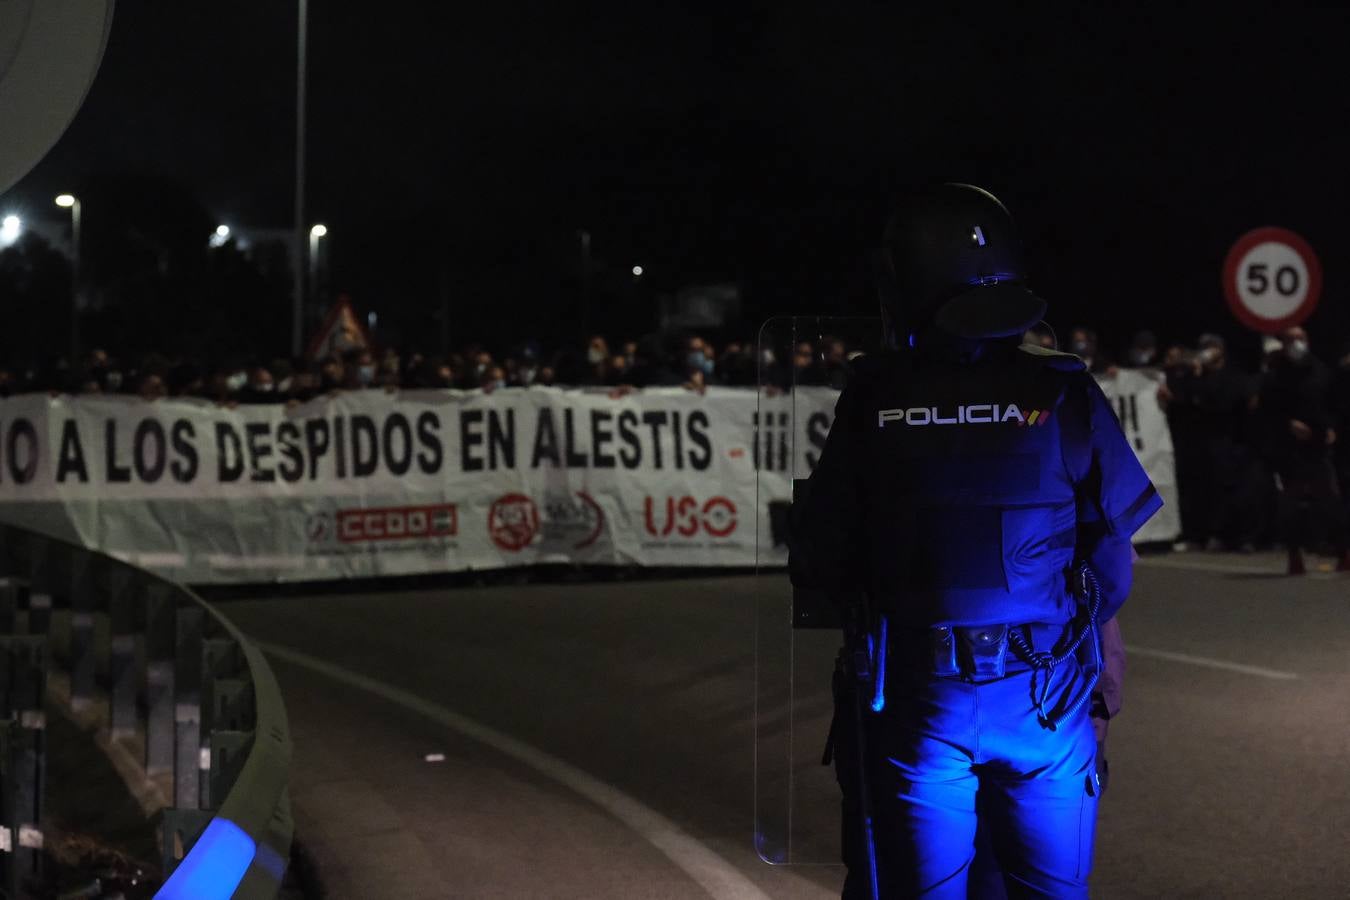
[951,259]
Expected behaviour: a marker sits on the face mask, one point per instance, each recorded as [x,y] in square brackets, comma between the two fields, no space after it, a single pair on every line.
[114,380]
[236,382]
[365,374]
[527,376]
[1297,350]
[265,388]
[767,358]
[1141,357]
[595,356]
[1081,348]
[1208,355]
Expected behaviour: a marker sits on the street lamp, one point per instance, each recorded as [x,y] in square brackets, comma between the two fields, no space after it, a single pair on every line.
[72,203]
[220,237]
[315,233]
[10,229]
[637,271]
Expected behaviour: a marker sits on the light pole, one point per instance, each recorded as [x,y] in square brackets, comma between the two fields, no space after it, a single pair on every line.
[297,246]
[315,233]
[72,203]
[585,284]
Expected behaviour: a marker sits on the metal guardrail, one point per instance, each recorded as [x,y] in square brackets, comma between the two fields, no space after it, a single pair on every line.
[171,670]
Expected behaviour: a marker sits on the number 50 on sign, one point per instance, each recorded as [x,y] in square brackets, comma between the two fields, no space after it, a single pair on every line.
[1272,279]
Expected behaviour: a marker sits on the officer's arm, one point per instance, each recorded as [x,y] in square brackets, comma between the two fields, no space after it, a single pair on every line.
[826,549]
[1115,499]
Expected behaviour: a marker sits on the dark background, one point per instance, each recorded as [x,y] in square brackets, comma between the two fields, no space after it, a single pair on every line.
[461,151]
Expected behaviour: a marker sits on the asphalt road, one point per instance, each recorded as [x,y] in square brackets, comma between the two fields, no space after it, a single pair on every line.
[597,739]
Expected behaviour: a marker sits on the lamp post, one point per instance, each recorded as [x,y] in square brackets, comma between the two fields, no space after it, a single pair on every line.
[298,287]
[315,233]
[72,203]
[585,283]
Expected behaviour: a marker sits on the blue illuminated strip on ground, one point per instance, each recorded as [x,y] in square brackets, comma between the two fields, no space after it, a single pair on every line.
[215,865]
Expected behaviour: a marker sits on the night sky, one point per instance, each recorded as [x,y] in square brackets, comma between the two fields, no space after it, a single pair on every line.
[754,143]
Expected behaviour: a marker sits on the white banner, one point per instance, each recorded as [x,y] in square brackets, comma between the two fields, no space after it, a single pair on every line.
[1134,396]
[368,483]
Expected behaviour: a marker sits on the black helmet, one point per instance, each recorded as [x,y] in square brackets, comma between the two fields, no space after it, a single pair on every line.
[951,258]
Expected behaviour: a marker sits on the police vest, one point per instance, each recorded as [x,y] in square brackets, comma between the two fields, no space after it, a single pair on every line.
[971,503]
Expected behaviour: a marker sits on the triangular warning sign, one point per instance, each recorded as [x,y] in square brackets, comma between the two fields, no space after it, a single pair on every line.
[341,331]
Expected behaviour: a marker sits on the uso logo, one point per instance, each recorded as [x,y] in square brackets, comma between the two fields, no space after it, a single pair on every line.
[686,517]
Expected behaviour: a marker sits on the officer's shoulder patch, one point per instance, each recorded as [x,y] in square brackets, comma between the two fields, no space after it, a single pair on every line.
[1054,359]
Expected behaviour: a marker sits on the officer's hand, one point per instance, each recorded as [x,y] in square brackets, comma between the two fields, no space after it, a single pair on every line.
[1103,768]
[1300,430]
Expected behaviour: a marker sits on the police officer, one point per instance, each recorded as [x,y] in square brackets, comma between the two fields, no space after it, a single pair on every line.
[981,496]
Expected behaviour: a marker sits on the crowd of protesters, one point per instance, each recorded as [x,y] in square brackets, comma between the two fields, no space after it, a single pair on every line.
[1259,455]
[686,360]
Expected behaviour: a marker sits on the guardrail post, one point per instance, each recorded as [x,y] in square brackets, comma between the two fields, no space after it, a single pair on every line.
[122,675]
[160,632]
[82,655]
[228,751]
[221,662]
[187,713]
[39,612]
[9,605]
[23,757]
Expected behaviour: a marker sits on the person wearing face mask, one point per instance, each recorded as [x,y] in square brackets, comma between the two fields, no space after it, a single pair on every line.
[360,370]
[1299,426]
[1083,344]
[1143,352]
[1229,508]
[261,388]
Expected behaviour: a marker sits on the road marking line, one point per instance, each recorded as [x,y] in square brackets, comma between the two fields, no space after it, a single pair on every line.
[1199,565]
[1211,663]
[1224,568]
[717,876]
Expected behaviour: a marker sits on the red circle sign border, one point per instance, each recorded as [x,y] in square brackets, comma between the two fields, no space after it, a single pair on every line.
[1230,288]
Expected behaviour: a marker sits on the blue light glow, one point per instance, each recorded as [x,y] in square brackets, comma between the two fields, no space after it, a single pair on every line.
[214,866]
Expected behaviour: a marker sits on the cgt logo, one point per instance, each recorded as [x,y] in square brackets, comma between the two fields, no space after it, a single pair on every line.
[969,414]
[396,523]
[684,516]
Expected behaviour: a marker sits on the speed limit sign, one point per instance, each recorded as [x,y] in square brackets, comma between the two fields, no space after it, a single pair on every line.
[1272,279]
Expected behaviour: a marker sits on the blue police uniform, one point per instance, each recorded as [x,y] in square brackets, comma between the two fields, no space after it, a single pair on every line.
[958,493]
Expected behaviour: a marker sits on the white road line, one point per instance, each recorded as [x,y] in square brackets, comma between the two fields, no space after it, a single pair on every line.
[1208,663]
[1202,565]
[718,877]
[1226,568]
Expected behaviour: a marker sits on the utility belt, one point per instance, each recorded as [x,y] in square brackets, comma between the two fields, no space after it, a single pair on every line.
[976,653]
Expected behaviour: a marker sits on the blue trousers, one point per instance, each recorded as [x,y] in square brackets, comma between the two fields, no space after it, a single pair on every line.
[938,744]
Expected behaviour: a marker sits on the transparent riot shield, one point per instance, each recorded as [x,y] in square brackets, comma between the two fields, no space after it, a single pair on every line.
[803,363]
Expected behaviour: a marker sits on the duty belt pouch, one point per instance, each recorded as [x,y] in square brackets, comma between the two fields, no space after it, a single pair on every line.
[942,647]
[987,649]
